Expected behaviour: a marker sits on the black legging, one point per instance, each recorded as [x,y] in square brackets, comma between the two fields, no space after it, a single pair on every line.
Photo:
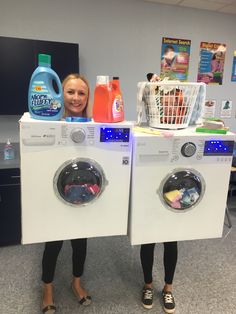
[51,252]
[169,259]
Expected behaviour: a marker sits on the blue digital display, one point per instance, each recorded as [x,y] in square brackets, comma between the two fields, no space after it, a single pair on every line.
[114,134]
[218,148]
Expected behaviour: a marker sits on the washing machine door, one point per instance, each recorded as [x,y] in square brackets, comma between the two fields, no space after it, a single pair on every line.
[79,181]
[182,189]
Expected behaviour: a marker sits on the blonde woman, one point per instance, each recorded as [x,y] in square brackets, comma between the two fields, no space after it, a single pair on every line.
[76,102]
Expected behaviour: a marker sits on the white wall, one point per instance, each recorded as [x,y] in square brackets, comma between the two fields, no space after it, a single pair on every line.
[123,37]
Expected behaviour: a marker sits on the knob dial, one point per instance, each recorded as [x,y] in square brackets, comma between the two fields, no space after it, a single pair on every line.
[188,149]
[78,135]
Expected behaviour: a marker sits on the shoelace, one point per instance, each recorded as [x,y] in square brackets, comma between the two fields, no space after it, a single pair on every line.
[168,298]
[148,294]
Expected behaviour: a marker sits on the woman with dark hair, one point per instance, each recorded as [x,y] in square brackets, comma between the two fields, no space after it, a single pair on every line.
[169,261]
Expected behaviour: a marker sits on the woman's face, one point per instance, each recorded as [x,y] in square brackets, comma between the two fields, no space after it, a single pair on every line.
[75,96]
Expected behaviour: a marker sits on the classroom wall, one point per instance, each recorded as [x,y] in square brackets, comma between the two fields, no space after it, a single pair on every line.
[123,38]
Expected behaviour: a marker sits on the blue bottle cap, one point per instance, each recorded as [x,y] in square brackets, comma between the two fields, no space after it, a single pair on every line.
[77,119]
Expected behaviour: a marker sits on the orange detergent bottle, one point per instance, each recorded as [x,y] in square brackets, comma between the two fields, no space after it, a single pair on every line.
[117,101]
[102,99]
[108,101]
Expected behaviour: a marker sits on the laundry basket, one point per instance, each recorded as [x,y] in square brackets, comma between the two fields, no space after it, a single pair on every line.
[168,105]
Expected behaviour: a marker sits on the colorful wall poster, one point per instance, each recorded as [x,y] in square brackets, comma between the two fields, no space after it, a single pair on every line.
[226,108]
[175,55]
[233,76]
[209,108]
[211,63]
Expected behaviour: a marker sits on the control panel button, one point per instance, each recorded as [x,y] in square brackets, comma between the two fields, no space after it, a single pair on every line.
[188,149]
[78,135]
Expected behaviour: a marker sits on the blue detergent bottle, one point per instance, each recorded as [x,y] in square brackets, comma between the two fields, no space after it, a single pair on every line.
[44,102]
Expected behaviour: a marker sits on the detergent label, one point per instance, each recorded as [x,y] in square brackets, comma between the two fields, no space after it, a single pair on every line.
[117,107]
[42,101]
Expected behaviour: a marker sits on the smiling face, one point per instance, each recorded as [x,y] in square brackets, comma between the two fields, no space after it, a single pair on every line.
[76,94]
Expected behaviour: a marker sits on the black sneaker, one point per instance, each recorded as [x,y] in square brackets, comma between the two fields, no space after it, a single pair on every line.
[147,297]
[168,302]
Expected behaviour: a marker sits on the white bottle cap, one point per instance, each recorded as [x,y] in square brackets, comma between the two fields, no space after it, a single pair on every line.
[103,79]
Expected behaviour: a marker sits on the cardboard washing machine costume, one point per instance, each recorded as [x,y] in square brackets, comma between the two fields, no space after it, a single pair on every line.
[175,193]
[75,179]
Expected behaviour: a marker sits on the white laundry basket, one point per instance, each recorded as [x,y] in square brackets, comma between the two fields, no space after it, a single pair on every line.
[169,104]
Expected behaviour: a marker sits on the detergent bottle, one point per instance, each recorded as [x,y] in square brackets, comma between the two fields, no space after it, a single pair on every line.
[108,101]
[44,102]
[117,103]
[102,100]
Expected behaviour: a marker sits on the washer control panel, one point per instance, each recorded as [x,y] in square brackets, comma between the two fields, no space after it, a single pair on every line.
[200,149]
[184,148]
[112,136]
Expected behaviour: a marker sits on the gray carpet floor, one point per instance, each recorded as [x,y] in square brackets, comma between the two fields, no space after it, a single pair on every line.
[205,278]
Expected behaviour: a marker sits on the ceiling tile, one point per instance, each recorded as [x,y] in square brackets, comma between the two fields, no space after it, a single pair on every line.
[228,9]
[223,1]
[222,6]
[201,4]
[164,1]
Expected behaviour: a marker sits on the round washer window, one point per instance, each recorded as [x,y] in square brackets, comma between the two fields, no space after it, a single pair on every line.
[79,181]
[182,189]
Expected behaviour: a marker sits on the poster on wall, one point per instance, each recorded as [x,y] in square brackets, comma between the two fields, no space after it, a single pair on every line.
[175,55]
[211,63]
[233,76]
[226,108]
[209,108]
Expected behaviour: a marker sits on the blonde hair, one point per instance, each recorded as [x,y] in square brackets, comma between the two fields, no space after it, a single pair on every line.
[87,112]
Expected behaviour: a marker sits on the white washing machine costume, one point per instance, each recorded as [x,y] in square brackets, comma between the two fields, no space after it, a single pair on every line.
[75,179]
[179,185]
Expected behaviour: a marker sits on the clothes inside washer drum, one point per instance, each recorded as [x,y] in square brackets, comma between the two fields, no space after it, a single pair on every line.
[78,194]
